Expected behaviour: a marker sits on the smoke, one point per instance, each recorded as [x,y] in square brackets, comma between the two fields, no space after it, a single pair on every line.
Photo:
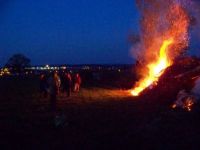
[162,20]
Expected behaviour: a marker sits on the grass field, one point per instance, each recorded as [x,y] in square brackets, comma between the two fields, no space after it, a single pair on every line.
[96,118]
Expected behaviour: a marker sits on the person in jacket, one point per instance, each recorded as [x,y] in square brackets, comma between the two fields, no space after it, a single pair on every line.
[43,85]
[67,84]
[77,83]
[54,84]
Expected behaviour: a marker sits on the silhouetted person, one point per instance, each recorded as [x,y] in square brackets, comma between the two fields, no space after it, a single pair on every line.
[77,82]
[53,90]
[58,81]
[67,84]
[43,85]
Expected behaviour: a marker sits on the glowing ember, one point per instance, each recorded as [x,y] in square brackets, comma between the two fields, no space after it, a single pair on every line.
[184,100]
[155,69]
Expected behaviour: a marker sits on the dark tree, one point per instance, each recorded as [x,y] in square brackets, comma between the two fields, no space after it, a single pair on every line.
[18,62]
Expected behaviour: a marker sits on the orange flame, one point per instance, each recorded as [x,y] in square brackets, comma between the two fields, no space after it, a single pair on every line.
[164,36]
[156,69]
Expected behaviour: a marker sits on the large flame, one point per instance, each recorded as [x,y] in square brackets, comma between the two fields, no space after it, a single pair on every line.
[163,37]
[155,69]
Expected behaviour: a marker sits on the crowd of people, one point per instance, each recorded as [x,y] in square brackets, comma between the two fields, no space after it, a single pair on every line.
[54,84]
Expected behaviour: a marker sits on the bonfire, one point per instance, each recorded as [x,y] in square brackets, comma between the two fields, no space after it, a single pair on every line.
[164,37]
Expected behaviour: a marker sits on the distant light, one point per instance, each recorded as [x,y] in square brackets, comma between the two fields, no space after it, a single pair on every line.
[47,67]
[63,67]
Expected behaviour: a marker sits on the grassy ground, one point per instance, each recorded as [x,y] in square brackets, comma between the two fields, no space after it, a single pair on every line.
[96,118]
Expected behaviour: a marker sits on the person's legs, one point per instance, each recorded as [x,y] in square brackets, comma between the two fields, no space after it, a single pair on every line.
[78,87]
[64,91]
[75,87]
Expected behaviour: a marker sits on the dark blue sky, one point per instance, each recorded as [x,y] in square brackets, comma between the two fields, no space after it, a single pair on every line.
[67,31]
[70,31]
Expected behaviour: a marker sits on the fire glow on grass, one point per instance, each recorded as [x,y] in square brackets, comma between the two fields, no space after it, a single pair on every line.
[155,69]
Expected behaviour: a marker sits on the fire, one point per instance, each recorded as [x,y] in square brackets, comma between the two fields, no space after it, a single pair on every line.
[184,100]
[156,69]
[163,37]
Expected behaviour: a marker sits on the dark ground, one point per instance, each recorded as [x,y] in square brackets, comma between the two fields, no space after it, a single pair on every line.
[96,118]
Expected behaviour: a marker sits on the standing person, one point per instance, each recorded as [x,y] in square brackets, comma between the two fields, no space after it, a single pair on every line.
[62,78]
[53,90]
[43,85]
[67,84]
[58,82]
[77,83]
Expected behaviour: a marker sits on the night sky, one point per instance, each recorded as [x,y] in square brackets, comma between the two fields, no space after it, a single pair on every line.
[67,31]
[70,31]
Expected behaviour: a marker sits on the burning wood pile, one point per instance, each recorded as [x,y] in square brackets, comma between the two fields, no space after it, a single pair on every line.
[179,86]
[164,40]
[187,98]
